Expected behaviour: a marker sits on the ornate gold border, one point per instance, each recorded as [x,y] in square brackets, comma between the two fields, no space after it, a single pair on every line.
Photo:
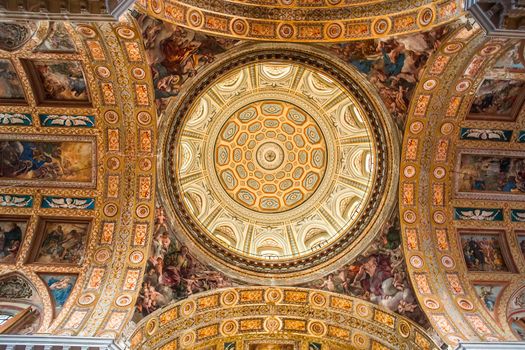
[244,314]
[305,23]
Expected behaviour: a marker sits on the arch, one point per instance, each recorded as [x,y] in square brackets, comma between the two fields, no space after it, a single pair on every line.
[263,313]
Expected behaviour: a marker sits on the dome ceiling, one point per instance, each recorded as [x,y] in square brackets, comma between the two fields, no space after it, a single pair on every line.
[304,20]
[277,163]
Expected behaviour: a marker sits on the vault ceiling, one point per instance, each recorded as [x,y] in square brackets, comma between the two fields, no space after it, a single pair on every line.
[304,21]
[461,188]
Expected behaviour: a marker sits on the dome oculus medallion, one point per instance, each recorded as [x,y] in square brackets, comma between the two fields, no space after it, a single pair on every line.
[273,163]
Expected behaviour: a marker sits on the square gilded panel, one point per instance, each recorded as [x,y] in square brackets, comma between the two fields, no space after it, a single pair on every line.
[485,251]
[58,82]
[60,241]
[12,233]
[498,99]
[47,161]
[490,174]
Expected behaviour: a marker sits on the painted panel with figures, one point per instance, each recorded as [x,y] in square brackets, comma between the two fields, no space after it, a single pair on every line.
[489,294]
[60,287]
[28,160]
[498,99]
[11,90]
[491,173]
[484,251]
[61,241]
[57,81]
[12,232]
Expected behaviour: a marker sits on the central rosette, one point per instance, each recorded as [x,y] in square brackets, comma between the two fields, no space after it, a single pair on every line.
[270,156]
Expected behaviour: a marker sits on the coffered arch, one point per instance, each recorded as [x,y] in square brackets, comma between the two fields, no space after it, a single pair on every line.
[461,188]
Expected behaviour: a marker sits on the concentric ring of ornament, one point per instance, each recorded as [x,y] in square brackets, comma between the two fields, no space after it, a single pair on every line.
[278,161]
[270,156]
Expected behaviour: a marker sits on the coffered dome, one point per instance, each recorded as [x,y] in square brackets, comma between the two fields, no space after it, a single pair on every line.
[277,163]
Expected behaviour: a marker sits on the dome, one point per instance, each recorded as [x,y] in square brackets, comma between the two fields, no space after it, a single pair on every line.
[276,163]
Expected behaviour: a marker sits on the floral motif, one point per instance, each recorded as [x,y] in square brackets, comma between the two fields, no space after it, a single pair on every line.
[517,215]
[68,203]
[7,200]
[15,119]
[485,134]
[67,120]
[478,214]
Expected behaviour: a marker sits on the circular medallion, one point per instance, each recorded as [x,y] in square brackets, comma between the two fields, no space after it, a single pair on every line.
[317,328]
[288,162]
[404,328]
[317,299]
[86,31]
[110,209]
[426,16]
[102,255]
[334,30]
[273,296]
[111,117]
[113,163]
[381,26]
[463,86]
[286,31]
[431,304]
[136,257]
[430,84]
[229,298]
[195,18]
[416,261]
[229,328]
[142,211]
[145,164]
[144,118]
[452,48]
[103,72]
[124,300]
[86,299]
[239,26]
[416,127]
[138,73]
[448,262]
[125,32]
[272,324]
[439,217]
[409,171]
[439,172]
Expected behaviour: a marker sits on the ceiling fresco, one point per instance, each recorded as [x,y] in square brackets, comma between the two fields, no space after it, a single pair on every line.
[461,218]
[172,180]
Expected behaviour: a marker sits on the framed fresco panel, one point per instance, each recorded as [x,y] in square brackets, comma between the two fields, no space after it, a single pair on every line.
[11,90]
[60,241]
[58,82]
[12,233]
[498,99]
[486,174]
[485,251]
[47,161]
[60,287]
[489,293]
